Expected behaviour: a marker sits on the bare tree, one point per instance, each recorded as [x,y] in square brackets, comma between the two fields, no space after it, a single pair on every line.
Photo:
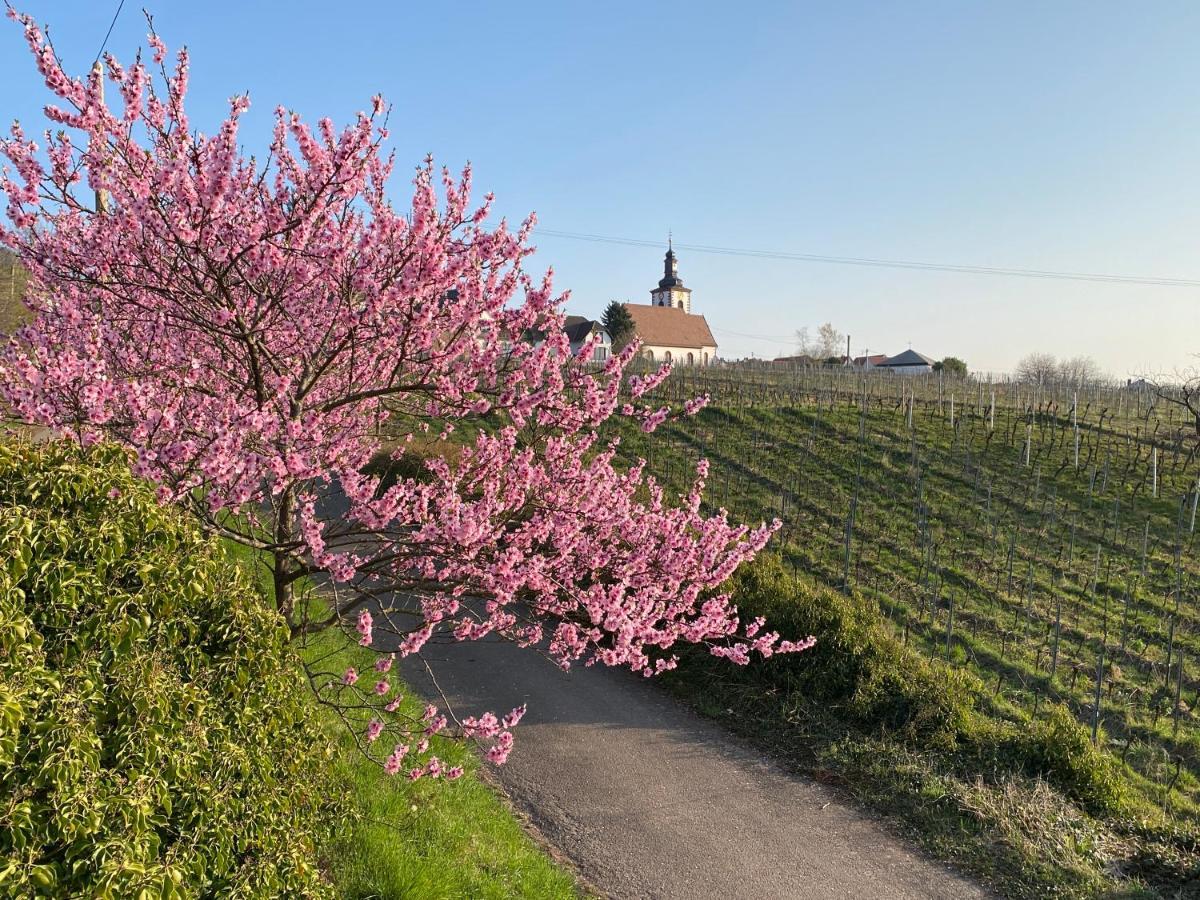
[1037,368]
[804,345]
[829,341]
[1079,371]
[1183,390]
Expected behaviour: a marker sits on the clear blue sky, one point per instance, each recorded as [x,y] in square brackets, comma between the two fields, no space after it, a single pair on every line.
[1059,136]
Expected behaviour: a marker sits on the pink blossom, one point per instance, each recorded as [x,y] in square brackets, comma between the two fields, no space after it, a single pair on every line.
[252,326]
[511,720]
[392,764]
[364,627]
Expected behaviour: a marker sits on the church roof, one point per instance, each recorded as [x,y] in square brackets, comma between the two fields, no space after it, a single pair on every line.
[670,284]
[907,358]
[669,326]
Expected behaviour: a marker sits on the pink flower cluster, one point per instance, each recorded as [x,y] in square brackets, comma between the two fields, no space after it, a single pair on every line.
[253,331]
[364,627]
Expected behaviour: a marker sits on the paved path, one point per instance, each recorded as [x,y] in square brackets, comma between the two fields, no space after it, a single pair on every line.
[648,800]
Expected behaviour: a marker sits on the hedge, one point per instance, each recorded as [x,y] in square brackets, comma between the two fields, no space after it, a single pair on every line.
[153,737]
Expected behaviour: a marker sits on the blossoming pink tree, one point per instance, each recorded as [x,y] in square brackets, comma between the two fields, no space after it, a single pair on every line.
[260,331]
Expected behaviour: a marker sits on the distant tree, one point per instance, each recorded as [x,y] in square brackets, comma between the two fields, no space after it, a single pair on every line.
[1079,371]
[804,344]
[619,325]
[951,365]
[829,341]
[1037,368]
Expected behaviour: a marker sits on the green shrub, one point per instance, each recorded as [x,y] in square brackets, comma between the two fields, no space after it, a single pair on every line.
[153,738]
[1060,750]
[857,668]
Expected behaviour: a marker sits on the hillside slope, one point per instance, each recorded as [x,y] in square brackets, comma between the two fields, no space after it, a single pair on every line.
[984,543]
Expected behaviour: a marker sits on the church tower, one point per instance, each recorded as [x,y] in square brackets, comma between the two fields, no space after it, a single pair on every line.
[670,290]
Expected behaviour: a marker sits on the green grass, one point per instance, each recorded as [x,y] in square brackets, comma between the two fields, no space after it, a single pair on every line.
[426,840]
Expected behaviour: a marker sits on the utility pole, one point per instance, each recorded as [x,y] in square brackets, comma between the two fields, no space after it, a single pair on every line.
[101,194]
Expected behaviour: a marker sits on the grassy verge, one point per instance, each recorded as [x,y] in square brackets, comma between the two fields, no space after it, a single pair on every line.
[425,839]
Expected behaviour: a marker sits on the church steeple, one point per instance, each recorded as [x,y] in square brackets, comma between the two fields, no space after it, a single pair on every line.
[670,290]
[670,266]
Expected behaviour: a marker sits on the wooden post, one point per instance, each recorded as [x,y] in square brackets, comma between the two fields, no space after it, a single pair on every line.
[1075,425]
[1195,499]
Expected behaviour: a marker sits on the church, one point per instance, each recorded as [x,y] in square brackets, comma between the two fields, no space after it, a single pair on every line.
[669,331]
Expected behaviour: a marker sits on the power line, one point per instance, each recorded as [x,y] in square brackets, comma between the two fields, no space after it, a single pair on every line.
[108,33]
[883,263]
[754,337]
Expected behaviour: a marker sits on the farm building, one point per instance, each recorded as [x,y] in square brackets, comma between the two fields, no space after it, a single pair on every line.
[910,362]
[668,330]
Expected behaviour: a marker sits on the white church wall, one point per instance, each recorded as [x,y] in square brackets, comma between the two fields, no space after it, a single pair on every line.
[701,356]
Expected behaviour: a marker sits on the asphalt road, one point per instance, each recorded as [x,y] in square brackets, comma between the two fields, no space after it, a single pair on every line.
[648,800]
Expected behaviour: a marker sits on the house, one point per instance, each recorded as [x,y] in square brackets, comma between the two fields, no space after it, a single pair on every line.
[796,362]
[910,362]
[869,362]
[668,329]
[579,329]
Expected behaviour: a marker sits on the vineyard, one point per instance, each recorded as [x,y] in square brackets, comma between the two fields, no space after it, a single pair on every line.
[1043,538]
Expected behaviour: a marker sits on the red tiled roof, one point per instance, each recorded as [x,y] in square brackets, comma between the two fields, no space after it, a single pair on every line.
[669,326]
[874,359]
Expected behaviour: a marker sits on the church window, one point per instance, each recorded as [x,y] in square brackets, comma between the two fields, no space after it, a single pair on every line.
[691,360]
[667,356]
